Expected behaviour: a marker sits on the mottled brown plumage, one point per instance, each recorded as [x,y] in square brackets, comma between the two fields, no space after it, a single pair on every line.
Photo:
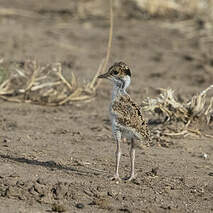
[130,117]
[125,114]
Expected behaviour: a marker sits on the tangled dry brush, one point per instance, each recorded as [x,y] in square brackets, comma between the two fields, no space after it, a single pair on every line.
[179,117]
[45,85]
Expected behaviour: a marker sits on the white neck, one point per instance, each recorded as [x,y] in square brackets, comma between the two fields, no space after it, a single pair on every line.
[120,87]
[127,81]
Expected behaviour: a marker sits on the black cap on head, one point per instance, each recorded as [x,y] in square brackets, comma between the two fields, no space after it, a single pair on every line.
[125,68]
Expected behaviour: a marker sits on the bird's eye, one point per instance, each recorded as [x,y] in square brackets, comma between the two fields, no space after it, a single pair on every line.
[115,72]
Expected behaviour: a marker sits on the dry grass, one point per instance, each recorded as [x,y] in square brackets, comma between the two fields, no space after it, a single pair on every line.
[47,85]
[85,8]
[44,85]
[186,115]
[167,7]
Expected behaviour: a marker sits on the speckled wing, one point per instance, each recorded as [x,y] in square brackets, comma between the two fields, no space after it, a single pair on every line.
[129,116]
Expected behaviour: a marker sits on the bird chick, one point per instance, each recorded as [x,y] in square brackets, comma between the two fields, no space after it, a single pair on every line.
[126,116]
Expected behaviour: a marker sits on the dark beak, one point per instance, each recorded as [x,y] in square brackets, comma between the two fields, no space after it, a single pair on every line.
[105,75]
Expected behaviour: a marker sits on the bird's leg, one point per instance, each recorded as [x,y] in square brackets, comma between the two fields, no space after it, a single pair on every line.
[117,155]
[132,160]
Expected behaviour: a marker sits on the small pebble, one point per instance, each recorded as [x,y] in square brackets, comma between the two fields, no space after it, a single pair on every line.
[58,207]
[79,205]
[210,174]
[205,156]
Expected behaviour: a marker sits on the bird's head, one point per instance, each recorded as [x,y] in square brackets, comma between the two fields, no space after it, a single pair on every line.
[119,73]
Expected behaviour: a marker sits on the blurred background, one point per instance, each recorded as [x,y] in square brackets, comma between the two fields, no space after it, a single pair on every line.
[167,38]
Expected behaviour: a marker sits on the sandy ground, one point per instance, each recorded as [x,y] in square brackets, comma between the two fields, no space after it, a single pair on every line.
[61,158]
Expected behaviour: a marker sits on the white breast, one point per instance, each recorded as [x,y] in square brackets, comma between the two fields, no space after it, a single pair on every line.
[117,91]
